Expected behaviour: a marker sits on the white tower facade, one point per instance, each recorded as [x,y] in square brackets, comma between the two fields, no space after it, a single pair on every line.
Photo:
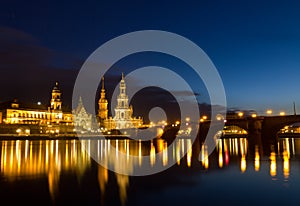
[123,112]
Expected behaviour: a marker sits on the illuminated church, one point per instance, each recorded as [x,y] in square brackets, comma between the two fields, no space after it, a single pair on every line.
[123,118]
[37,118]
[16,112]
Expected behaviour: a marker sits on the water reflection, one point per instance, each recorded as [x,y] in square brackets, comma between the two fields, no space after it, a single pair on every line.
[34,159]
[24,159]
[233,148]
[139,149]
[257,159]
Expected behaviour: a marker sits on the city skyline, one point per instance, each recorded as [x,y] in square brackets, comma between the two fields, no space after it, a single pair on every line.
[149,102]
[254,46]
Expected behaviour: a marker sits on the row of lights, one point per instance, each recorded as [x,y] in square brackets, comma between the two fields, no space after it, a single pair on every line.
[220,117]
[269,112]
[241,114]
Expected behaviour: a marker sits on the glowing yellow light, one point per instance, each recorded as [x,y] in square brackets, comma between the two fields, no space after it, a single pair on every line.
[243,164]
[159,132]
[256,159]
[273,164]
[220,158]
[204,117]
[178,152]
[177,122]
[189,153]
[165,154]
[152,154]
[160,145]
[201,120]
[205,160]
[187,119]
[282,113]
[240,114]
[140,153]
[219,117]
[269,111]
[286,165]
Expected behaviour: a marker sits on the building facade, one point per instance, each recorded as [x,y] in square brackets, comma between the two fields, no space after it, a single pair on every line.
[50,117]
[103,104]
[82,119]
[123,118]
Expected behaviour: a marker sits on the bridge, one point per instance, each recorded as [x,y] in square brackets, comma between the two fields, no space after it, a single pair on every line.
[265,126]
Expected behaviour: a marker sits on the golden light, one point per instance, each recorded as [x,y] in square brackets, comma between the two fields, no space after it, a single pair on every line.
[219,117]
[269,111]
[177,122]
[286,165]
[189,153]
[165,154]
[273,169]
[220,154]
[282,113]
[187,119]
[256,159]
[254,115]
[152,154]
[201,120]
[204,117]
[240,114]
[243,164]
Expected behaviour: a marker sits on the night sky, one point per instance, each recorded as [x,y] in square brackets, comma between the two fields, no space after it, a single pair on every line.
[255,45]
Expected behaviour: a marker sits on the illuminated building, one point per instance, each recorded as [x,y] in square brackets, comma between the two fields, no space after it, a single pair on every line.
[16,112]
[103,111]
[123,112]
[82,119]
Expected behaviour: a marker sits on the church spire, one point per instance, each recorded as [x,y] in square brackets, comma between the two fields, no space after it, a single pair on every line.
[102,90]
[102,83]
[103,111]
[80,101]
[56,102]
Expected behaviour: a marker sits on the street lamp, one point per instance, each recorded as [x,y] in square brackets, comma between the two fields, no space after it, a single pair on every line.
[269,111]
[282,113]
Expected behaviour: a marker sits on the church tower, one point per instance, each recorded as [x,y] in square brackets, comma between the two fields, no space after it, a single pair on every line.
[122,111]
[56,103]
[123,118]
[103,111]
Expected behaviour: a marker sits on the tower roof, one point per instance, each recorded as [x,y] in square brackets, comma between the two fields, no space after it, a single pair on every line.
[102,83]
[56,86]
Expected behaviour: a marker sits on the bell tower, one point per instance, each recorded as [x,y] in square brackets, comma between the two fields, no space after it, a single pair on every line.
[56,103]
[103,111]
[122,110]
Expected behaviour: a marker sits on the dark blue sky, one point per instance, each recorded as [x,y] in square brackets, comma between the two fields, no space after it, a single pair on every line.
[255,45]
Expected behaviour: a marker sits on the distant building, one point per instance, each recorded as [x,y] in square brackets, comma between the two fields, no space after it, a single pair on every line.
[82,119]
[123,118]
[16,112]
[55,119]
[102,103]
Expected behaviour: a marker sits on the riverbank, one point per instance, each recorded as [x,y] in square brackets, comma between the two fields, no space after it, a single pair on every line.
[61,137]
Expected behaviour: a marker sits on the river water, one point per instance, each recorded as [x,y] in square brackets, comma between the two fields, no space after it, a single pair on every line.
[61,172]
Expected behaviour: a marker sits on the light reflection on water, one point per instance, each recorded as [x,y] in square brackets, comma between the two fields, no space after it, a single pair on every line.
[25,159]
